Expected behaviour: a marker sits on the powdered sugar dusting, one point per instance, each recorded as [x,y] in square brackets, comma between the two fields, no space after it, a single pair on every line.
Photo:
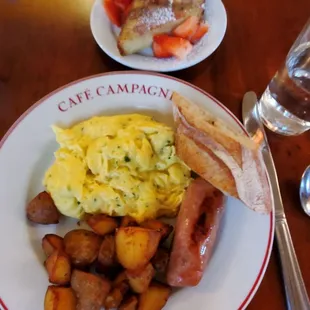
[198,48]
[106,36]
[155,17]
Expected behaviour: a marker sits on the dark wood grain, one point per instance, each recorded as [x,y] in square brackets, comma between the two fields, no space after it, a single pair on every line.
[46,44]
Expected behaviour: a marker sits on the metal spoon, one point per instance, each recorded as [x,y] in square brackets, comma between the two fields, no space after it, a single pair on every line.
[304,191]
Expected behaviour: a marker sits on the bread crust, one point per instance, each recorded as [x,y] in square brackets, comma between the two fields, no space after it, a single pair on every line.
[229,160]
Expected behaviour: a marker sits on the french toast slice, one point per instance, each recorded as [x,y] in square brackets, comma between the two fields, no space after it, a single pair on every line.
[150,17]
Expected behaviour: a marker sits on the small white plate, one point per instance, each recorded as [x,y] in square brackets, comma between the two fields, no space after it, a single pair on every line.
[244,243]
[106,34]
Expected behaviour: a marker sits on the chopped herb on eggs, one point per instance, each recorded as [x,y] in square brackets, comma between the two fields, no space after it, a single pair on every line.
[125,162]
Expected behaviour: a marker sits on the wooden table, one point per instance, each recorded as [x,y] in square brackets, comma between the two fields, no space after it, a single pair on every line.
[46,44]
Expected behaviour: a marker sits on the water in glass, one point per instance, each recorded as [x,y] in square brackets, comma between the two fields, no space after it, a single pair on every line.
[285,105]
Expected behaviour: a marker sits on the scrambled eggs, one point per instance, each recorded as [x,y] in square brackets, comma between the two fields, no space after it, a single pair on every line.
[117,165]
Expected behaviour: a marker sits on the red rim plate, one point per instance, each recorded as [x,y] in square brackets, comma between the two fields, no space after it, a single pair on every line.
[260,275]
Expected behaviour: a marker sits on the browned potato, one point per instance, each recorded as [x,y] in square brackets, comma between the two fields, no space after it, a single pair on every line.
[139,280]
[42,210]
[82,246]
[116,296]
[135,246]
[164,228]
[91,290]
[130,303]
[107,255]
[51,242]
[160,260]
[58,267]
[59,298]
[128,221]
[155,297]
[102,224]
[107,262]
[121,277]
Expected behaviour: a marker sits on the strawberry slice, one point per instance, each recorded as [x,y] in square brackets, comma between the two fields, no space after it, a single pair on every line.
[187,29]
[159,52]
[113,11]
[126,13]
[201,31]
[173,46]
[122,4]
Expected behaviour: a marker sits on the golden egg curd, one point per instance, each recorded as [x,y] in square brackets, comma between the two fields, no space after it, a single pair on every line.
[117,165]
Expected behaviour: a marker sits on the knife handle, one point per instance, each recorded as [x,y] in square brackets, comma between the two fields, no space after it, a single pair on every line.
[295,290]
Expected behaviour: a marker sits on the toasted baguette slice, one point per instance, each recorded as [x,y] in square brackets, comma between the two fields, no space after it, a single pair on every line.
[229,160]
[150,17]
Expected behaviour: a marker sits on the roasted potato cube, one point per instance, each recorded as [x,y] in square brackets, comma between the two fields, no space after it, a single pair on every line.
[82,246]
[107,255]
[59,298]
[116,295]
[135,246]
[155,297]
[102,224]
[165,229]
[58,267]
[160,260]
[139,280]
[121,277]
[91,290]
[42,210]
[130,303]
[51,242]
[107,262]
[128,221]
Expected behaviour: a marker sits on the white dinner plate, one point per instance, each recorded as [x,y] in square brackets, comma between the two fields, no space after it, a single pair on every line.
[244,244]
[106,35]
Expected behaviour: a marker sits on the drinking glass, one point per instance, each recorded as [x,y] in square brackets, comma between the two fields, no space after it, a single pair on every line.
[285,105]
